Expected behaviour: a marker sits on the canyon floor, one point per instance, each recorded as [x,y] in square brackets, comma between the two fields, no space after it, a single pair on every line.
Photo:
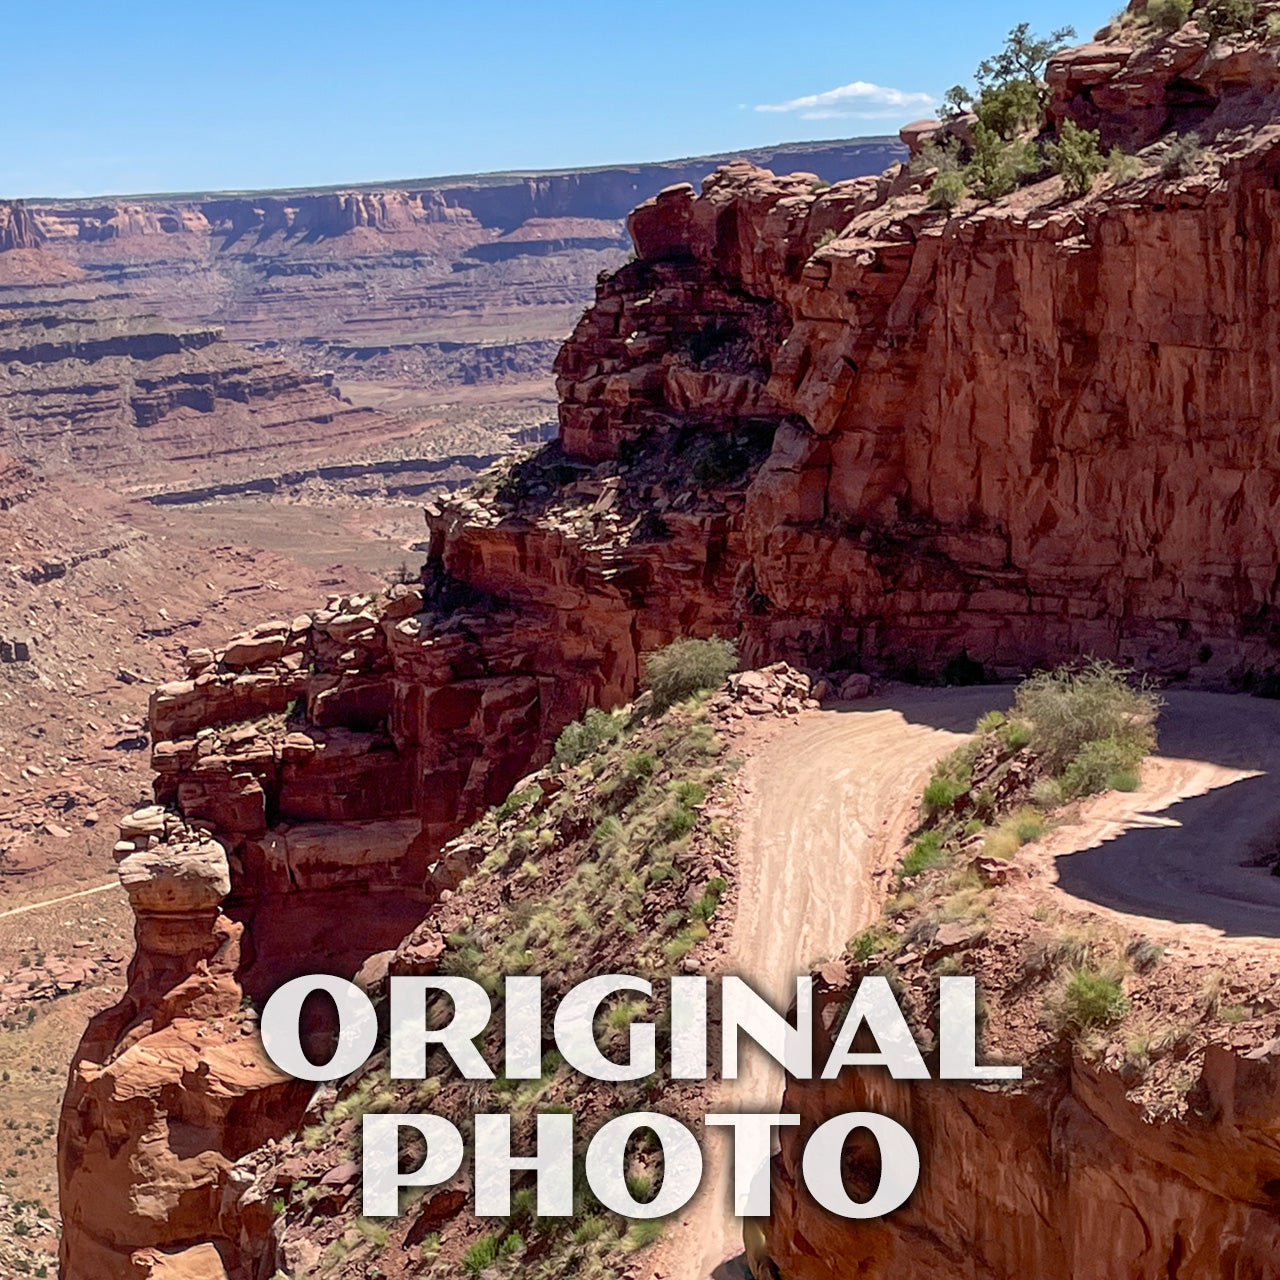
[830,800]
[73,757]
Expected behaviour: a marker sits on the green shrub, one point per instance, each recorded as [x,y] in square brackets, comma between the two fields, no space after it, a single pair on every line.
[1182,156]
[589,1229]
[645,1232]
[1070,707]
[866,944]
[516,801]
[686,667]
[640,765]
[1011,92]
[1027,825]
[1123,167]
[689,793]
[825,239]
[925,853]
[942,156]
[1047,793]
[1010,109]
[1272,28]
[706,906]
[990,722]
[1168,15]
[676,823]
[998,164]
[1107,764]
[1144,954]
[947,190]
[942,793]
[586,736]
[1227,17]
[1092,998]
[1076,157]
[481,1255]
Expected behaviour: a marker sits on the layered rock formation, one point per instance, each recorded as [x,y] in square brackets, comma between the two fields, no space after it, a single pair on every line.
[173,1084]
[1036,430]
[439,282]
[855,431]
[116,396]
[17,228]
[1066,1181]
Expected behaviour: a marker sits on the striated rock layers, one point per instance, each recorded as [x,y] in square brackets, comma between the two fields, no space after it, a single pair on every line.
[858,433]
[435,282]
[117,396]
[1045,428]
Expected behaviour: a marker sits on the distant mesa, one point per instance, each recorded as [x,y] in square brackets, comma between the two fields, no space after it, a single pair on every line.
[437,283]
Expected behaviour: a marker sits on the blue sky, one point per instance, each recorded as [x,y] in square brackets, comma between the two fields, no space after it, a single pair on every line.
[174,96]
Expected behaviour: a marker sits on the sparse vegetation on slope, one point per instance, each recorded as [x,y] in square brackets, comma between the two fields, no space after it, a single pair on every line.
[1072,732]
[1076,157]
[1051,976]
[1000,148]
[614,859]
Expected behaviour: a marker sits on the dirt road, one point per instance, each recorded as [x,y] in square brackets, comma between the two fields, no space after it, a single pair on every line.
[113,883]
[831,799]
[1175,854]
[828,801]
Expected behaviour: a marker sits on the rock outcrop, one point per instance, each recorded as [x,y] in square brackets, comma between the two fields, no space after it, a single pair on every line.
[17,228]
[1035,430]
[1066,1179]
[173,1084]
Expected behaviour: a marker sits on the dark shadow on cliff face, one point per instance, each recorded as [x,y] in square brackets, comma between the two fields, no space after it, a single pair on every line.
[321,931]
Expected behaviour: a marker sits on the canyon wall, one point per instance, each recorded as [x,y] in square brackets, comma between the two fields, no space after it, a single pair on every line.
[138,398]
[424,284]
[1062,1178]
[855,431]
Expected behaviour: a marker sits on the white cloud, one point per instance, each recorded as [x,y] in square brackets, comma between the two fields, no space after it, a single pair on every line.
[859,100]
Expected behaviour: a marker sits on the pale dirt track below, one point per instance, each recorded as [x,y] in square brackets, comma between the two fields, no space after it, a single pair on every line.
[828,800]
[113,883]
[831,799]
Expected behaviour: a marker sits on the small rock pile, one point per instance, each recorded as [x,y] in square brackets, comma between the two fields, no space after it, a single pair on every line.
[145,827]
[44,980]
[28,1244]
[775,690]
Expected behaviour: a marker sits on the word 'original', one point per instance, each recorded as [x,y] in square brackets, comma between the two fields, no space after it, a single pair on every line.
[418,1024]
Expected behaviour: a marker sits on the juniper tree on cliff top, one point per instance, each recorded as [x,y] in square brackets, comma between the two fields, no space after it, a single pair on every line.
[1011,90]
